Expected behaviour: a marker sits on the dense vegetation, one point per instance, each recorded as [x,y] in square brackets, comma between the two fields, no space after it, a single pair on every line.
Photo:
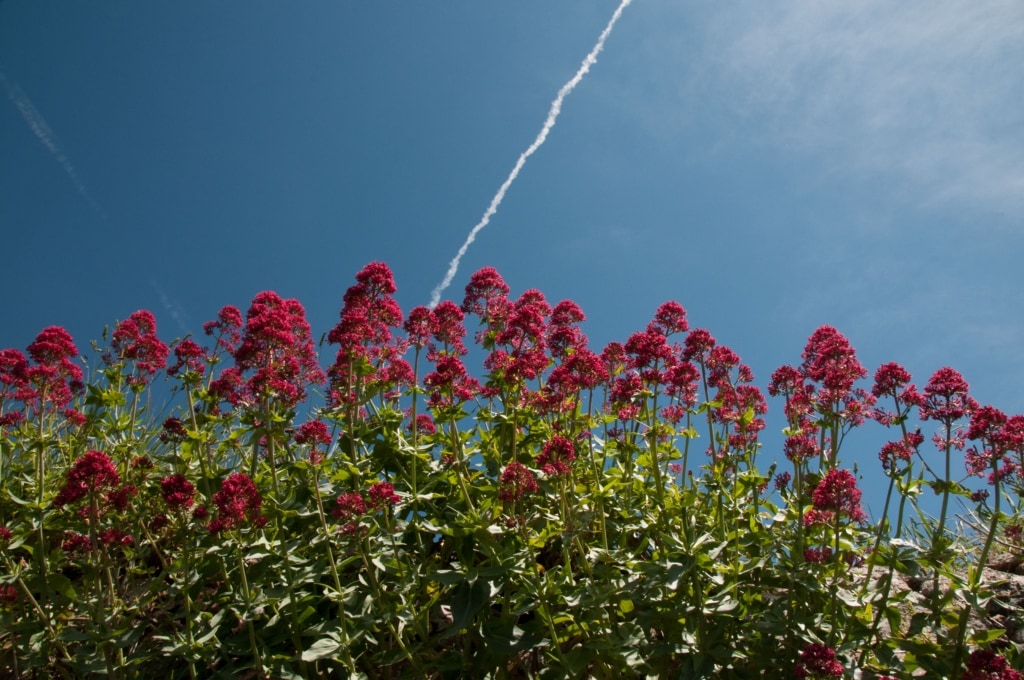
[570,513]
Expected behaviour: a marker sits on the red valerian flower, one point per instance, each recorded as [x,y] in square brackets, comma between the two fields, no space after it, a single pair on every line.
[9,595]
[349,508]
[277,348]
[135,339]
[75,542]
[420,326]
[5,536]
[486,294]
[669,319]
[893,453]
[946,398]
[120,498]
[986,423]
[448,330]
[829,359]
[800,448]
[55,378]
[698,345]
[817,555]
[191,359]
[173,430]
[986,664]
[313,432]
[116,537]
[363,334]
[516,481]
[226,328]
[556,456]
[837,492]
[382,495]
[816,662]
[178,492]
[92,473]
[564,336]
[238,502]
[424,424]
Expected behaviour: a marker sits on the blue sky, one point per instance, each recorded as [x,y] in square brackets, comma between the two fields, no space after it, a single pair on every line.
[771,167]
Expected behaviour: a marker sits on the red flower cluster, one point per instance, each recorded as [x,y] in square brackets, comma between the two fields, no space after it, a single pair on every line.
[986,664]
[135,339]
[946,398]
[369,357]
[226,328]
[349,508]
[817,661]
[837,493]
[238,503]
[178,492]
[817,555]
[49,384]
[277,352]
[191,361]
[93,473]
[893,453]
[352,506]
[381,495]
[557,455]
[516,481]
[823,384]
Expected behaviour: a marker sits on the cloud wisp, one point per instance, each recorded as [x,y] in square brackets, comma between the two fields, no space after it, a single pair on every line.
[924,96]
[37,123]
[549,122]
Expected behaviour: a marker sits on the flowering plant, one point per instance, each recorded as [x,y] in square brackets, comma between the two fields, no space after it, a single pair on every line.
[566,512]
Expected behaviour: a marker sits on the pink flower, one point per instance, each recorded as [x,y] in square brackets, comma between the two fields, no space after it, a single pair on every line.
[556,457]
[238,503]
[817,555]
[382,495]
[485,293]
[837,492]
[178,492]
[698,346]
[135,339]
[516,481]
[424,424]
[191,359]
[55,378]
[818,661]
[946,398]
[93,473]
[278,351]
[313,432]
[986,664]
[829,359]
[669,319]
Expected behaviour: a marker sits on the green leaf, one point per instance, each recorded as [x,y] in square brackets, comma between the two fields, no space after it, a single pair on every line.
[981,637]
[321,649]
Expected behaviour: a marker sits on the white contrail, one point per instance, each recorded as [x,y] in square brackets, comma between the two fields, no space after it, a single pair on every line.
[44,134]
[556,108]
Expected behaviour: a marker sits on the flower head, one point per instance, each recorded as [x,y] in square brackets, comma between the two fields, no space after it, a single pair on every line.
[816,662]
[986,664]
[135,339]
[556,456]
[178,492]
[837,492]
[946,398]
[93,473]
[238,503]
[516,481]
